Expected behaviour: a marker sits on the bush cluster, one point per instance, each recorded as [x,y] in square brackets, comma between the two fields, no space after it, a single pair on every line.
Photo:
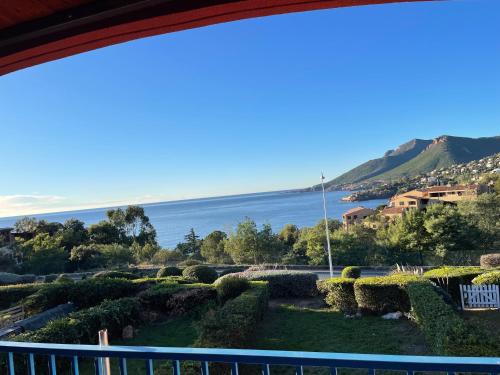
[115,275]
[340,294]
[449,278]
[169,271]
[492,277]
[14,279]
[282,283]
[446,333]
[201,274]
[232,325]
[189,299]
[231,287]
[82,326]
[489,261]
[83,294]
[13,294]
[351,272]
[380,295]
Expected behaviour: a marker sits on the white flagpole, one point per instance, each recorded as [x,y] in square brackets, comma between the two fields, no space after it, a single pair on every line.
[326,227]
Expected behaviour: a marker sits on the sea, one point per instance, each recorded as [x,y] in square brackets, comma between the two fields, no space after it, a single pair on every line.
[174,219]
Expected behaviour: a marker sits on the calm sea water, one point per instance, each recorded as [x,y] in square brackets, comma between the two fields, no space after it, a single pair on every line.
[173,220]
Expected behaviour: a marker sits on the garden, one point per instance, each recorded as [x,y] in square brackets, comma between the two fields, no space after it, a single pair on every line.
[263,309]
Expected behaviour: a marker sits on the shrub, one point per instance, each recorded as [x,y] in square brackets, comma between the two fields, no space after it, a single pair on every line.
[115,275]
[340,294]
[232,325]
[446,333]
[82,326]
[83,294]
[187,300]
[12,294]
[380,295]
[351,272]
[169,271]
[14,279]
[489,261]
[449,278]
[201,274]
[231,270]
[189,263]
[492,277]
[231,287]
[283,283]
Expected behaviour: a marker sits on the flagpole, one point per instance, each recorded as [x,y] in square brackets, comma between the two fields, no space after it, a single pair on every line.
[326,227]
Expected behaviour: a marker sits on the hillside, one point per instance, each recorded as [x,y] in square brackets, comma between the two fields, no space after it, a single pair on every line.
[417,157]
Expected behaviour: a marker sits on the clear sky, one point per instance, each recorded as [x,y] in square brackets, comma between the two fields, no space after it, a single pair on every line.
[255,105]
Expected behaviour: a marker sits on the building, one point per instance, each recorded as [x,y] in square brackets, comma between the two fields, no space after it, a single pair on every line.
[454,193]
[356,215]
[390,213]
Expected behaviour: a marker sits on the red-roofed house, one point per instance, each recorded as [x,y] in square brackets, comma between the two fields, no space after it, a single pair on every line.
[356,215]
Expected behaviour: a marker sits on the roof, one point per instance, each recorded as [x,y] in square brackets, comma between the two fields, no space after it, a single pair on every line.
[413,197]
[36,31]
[358,209]
[393,210]
[450,188]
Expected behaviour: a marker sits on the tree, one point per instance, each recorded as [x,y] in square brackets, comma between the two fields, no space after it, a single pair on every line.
[87,257]
[242,245]
[191,247]
[73,233]
[167,256]
[117,255]
[45,261]
[51,228]
[144,253]
[312,242]
[269,246]
[104,232]
[26,225]
[212,248]
[133,225]
[289,235]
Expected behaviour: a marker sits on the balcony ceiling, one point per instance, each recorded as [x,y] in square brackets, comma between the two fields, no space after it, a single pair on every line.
[36,31]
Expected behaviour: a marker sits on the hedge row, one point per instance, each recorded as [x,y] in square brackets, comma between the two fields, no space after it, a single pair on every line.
[83,294]
[282,283]
[339,293]
[233,325]
[446,333]
[492,278]
[449,278]
[13,294]
[81,327]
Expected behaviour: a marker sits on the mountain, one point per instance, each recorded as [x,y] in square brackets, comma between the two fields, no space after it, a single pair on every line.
[419,156]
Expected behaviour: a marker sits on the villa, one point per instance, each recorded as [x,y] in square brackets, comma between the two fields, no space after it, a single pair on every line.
[356,215]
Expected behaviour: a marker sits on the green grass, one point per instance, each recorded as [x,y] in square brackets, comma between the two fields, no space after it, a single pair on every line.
[323,330]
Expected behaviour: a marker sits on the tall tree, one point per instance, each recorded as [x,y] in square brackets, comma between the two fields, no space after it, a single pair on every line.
[213,248]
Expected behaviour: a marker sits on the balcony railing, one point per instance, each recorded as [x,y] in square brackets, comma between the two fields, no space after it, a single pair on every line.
[266,359]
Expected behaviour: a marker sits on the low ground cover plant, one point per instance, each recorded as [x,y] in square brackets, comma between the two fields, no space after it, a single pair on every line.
[201,274]
[351,272]
[489,278]
[488,261]
[13,294]
[283,284]
[446,332]
[169,271]
[232,325]
[449,278]
[339,293]
[380,295]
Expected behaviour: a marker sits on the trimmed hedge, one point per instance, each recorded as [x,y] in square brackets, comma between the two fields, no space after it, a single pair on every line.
[492,277]
[7,278]
[233,325]
[380,295]
[201,274]
[351,272]
[13,294]
[282,283]
[169,271]
[83,294]
[449,278]
[231,287]
[340,294]
[489,261]
[115,275]
[228,271]
[446,333]
[82,326]
[189,299]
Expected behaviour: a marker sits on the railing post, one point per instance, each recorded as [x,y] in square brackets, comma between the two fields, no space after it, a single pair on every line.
[176,368]
[149,367]
[265,369]
[123,366]
[10,359]
[74,365]
[52,365]
[234,368]
[31,364]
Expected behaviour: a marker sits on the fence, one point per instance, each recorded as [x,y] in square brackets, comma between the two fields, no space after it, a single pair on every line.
[479,296]
[265,359]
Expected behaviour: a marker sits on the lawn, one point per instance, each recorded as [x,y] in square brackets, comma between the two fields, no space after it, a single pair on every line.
[304,329]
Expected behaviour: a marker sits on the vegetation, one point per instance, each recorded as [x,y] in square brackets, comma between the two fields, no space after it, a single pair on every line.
[351,272]
[488,261]
[340,294]
[13,294]
[449,278]
[201,274]
[115,275]
[492,277]
[169,271]
[231,287]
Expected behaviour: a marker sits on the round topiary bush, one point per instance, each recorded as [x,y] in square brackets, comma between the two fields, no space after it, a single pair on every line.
[115,275]
[201,274]
[351,272]
[231,287]
[489,278]
[489,261]
[169,271]
[340,294]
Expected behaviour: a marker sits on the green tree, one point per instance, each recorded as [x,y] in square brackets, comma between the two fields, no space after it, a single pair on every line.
[269,246]
[212,248]
[86,257]
[26,225]
[45,261]
[242,245]
[104,233]
[117,255]
[133,225]
[312,242]
[73,233]
[191,247]
[146,253]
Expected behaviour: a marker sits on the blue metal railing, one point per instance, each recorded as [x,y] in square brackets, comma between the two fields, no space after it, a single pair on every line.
[235,357]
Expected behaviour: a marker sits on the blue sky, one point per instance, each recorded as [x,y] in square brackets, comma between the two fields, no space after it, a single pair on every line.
[254,105]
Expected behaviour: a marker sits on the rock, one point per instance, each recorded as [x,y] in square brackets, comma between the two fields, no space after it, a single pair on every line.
[128,332]
[393,315]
